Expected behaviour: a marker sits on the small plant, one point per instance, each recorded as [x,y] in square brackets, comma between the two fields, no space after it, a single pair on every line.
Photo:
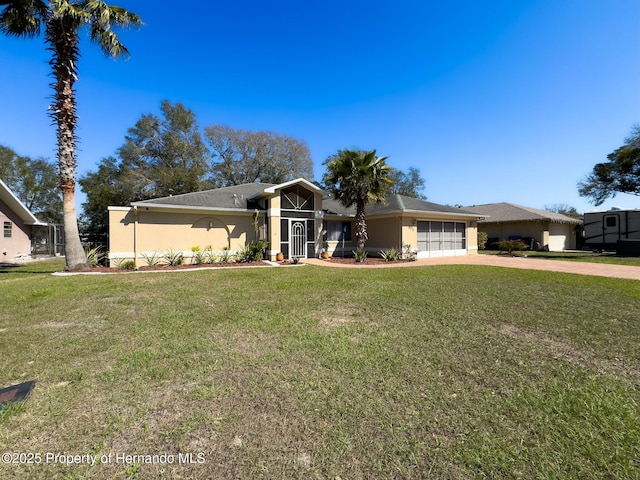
[209,256]
[512,246]
[390,255]
[152,259]
[95,257]
[407,252]
[295,260]
[244,254]
[127,265]
[199,256]
[174,258]
[360,254]
[253,252]
[225,257]
[482,240]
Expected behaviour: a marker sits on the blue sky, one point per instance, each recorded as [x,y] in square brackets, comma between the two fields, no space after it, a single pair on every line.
[495,100]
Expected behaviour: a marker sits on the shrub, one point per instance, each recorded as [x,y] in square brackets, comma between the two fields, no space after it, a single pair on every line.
[95,257]
[127,265]
[482,240]
[199,256]
[511,246]
[225,256]
[253,252]
[390,255]
[174,258]
[360,254]
[209,256]
[124,264]
[407,252]
[152,259]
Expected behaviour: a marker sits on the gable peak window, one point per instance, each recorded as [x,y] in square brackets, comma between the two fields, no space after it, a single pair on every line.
[297,198]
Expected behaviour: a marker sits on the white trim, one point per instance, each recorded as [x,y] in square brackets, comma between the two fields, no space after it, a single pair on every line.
[441,253]
[292,182]
[16,205]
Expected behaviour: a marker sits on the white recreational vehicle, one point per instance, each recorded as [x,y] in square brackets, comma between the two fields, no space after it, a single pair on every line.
[602,230]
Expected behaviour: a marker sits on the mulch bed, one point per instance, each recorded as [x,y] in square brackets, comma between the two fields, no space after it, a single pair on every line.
[368,261]
[167,268]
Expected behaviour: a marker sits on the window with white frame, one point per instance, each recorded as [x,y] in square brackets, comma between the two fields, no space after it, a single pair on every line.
[337,231]
[435,235]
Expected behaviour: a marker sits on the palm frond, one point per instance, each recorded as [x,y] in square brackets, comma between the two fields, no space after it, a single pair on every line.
[22,18]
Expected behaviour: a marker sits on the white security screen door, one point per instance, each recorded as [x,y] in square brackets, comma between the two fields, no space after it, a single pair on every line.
[298,239]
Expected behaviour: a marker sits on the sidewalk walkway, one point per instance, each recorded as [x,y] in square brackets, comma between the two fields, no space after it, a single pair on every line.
[581,268]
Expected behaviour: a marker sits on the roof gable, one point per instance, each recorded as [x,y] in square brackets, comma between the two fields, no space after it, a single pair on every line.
[16,206]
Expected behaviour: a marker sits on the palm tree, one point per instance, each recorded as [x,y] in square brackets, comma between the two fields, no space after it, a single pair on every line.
[62,21]
[358,178]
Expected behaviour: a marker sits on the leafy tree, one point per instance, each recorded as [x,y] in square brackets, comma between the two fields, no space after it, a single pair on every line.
[620,174]
[165,155]
[103,187]
[243,156]
[410,184]
[33,182]
[563,209]
[358,178]
[160,157]
[62,21]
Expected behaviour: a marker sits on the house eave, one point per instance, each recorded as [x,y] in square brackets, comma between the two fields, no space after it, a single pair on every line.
[189,208]
[16,205]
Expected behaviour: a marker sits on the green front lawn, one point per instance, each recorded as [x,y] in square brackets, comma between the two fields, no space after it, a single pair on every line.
[312,372]
[585,256]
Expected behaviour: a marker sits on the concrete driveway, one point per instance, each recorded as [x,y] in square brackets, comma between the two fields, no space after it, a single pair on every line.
[581,268]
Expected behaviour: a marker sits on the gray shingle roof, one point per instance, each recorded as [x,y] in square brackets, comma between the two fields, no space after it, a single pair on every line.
[234,197]
[508,212]
[395,204]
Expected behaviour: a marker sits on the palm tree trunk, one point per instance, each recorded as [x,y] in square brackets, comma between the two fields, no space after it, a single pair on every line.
[63,40]
[361,225]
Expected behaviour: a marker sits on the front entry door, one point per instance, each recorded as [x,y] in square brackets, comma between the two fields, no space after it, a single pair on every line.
[298,239]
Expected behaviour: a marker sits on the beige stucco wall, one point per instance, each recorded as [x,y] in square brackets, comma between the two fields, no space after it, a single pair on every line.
[554,236]
[19,243]
[472,238]
[159,232]
[384,233]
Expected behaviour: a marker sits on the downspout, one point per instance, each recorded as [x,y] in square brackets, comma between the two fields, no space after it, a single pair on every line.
[135,239]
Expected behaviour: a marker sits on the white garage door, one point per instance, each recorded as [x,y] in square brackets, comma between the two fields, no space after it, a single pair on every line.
[558,237]
[441,239]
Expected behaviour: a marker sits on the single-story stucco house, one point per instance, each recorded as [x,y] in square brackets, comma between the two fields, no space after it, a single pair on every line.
[549,231]
[17,223]
[297,218]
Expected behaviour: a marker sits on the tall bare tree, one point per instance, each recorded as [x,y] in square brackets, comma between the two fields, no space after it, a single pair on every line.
[243,156]
[62,21]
